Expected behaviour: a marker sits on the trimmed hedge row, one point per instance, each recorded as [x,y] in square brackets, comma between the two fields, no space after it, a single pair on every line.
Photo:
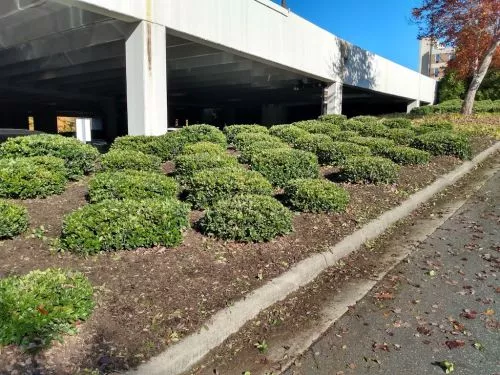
[372,169]
[377,145]
[318,127]
[187,165]
[319,144]
[124,224]
[407,155]
[42,305]
[243,140]
[233,130]
[211,185]
[32,177]
[202,133]
[79,158]
[117,160]
[455,105]
[444,143]
[203,147]
[344,135]
[397,123]
[340,151]
[254,148]
[401,136]
[433,126]
[282,165]
[131,185]
[13,219]
[333,118]
[315,195]
[247,218]
[287,133]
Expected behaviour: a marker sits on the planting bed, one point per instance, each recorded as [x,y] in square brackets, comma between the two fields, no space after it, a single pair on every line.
[148,299]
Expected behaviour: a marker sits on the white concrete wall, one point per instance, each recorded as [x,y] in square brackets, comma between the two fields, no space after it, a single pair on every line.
[260,29]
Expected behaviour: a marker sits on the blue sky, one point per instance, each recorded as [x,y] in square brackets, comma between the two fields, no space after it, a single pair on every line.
[380,26]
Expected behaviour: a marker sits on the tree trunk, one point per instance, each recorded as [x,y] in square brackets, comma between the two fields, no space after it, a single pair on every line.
[477,79]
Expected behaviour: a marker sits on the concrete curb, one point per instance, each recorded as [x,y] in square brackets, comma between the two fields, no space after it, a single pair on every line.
[181,357]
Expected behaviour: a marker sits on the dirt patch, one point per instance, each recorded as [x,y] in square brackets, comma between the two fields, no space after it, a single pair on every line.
[148,299]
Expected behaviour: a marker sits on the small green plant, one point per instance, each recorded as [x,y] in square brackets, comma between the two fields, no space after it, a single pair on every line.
[209,186]
[318,127]
[244,139]
[397,123]
[252,149]
[401,136]
[203,147]
[282,165]
[376,145]
[247,218]
[79,158]
[165,147]
[13,219]
[187,165]
[315,195]
[370,169]
[287,133]
[233,130]
[319,144]
[29,178]
[407,155]
[333,118]
[124,224]
[42,305]
[131,185]
[261,346]
[202,133]
[118,160]
[444,143]
[340,151]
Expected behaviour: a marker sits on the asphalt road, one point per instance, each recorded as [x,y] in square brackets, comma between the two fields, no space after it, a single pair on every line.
[439,305]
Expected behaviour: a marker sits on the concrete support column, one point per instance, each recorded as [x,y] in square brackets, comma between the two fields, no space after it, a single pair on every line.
[84,129]
[146,59]
[332,99]
[411,105]
[46,121]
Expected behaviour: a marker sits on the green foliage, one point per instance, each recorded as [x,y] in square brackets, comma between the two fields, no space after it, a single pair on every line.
[187,165]
[315,195]
[376,145]
[13,220]
[30,177]
[353,125]
[407,155]
[79,158]
[397,122]
[432,126]
[244,139]
[209,186]
[319,144]
[366,119]
[371,169]
[117,160]
[165,147]
[203,147]
[318,127]
[340,151]
[455,105]
[247,218]
[333,118]
[345,135]
[451,87]
[251,149]
[124,224]
[42,305]
[202,133]
[401,136]
[287,133]
[374,129]
[282,165]
[233,130]
[444,143]
[490,88]
[131,184]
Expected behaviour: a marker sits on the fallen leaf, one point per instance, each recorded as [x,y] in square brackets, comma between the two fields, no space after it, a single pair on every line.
[453,344]
[424,330]
[384,295]
[469,314]
[383,347]
[489,312]
[41,309]
[447,366]
[478,346]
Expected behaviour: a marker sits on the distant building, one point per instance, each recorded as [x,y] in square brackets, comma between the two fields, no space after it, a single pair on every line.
[433,58]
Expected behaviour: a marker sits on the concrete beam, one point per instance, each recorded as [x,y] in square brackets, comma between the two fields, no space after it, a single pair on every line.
[147,80]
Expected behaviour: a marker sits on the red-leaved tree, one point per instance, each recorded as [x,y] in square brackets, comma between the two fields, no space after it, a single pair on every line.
[472,27]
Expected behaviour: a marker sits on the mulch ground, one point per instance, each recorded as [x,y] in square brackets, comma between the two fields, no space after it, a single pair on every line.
[148,299]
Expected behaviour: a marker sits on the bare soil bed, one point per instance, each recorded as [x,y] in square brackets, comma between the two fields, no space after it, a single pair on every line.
[148,299]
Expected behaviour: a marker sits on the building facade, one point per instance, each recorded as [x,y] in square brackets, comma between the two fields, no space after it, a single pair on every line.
[434,58]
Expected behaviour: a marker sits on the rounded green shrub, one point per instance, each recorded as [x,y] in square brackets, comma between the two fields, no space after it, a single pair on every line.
[50,163]
[164,147]
[282,165]
[401,136]
[319,144]
[397,123]
[344,135]
[243,140]
[250,150]
[187,165]
[376,145]
[407,155]
[203,147]
[318,127]
[433,126]
[315,195]
[30,178]
[366,119]
[13,220]
[353,125]
[374,129]
[233,130]
[131,184]
[444,143]
[40,306]
[79,158]
[247,218]
[333,118]
[340,151]
[124,224]
[287,133]
[209,186]
[202,133]
[372,169]
[117,160]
